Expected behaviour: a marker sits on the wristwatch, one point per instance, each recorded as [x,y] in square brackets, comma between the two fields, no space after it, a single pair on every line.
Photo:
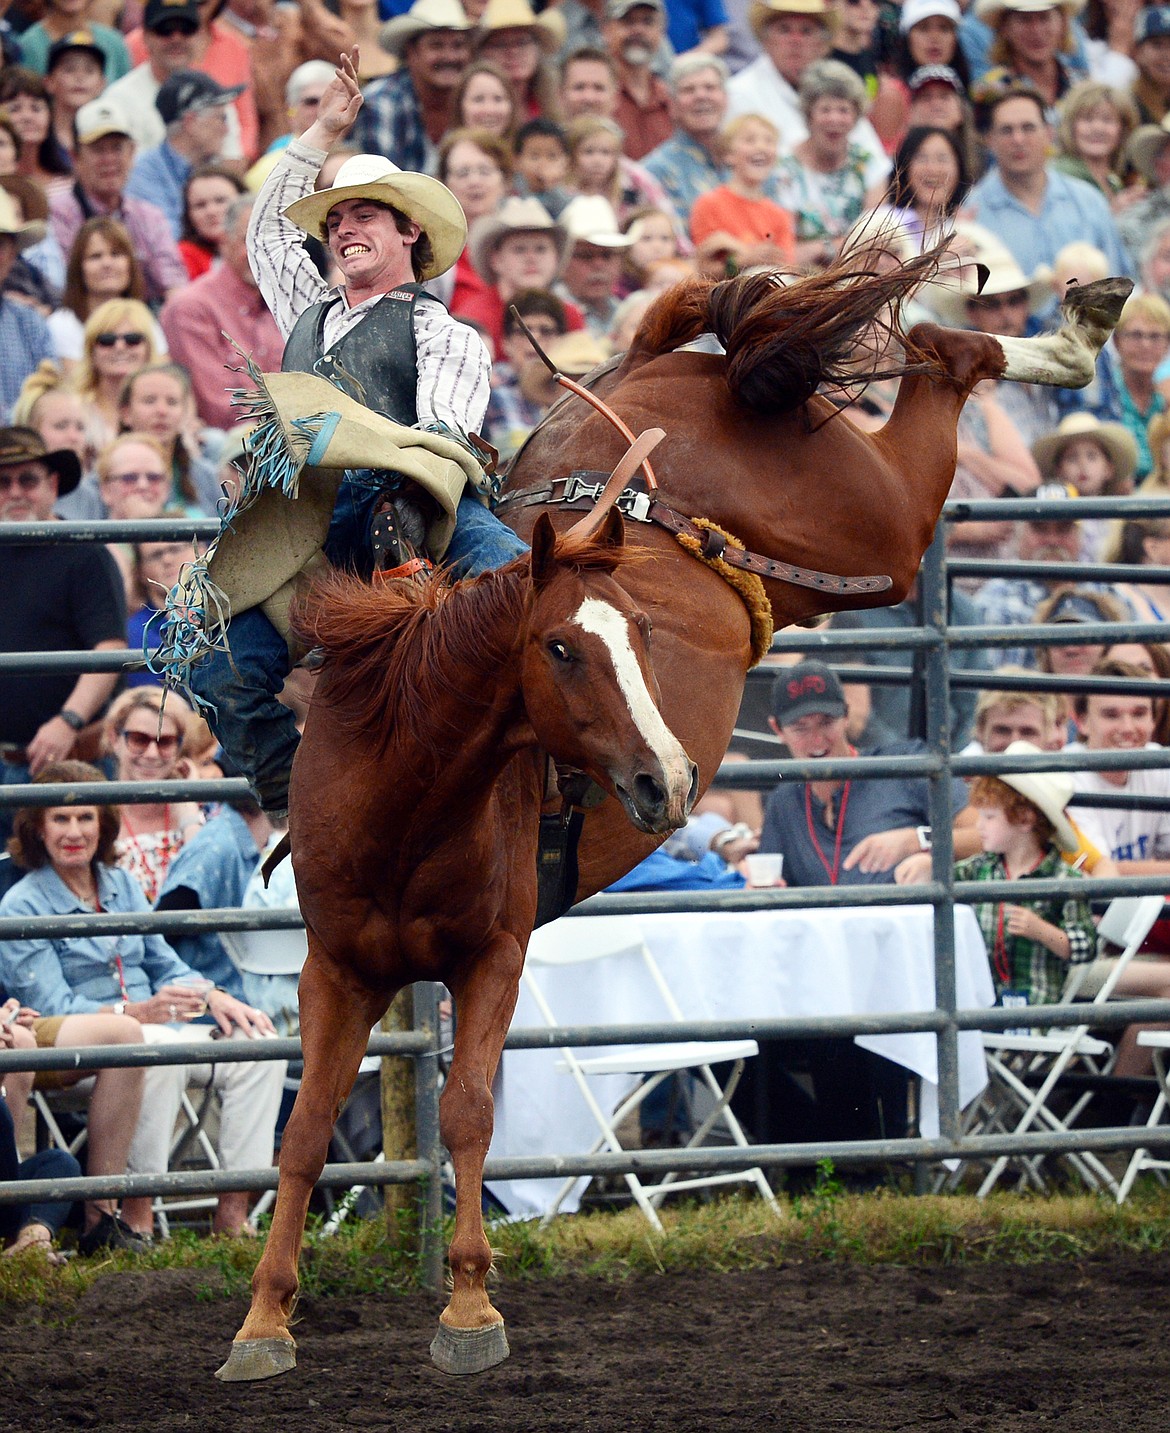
[923,834]
[71,719]
[119,1007]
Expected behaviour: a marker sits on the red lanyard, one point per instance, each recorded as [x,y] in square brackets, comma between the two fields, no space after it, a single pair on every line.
[834,870]
[999,955]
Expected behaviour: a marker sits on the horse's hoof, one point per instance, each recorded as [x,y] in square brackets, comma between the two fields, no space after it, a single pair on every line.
[1101,300]
[462,1351]
[254,1358]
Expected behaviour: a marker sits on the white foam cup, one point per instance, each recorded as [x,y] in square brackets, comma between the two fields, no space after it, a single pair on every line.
[764,869]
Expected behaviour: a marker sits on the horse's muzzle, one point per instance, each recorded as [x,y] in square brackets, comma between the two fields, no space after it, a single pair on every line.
[660,804]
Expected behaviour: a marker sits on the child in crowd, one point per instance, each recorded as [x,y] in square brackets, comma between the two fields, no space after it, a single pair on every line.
[510,415]
[1096,460]
[542,164]
[655,242]
[1022,826]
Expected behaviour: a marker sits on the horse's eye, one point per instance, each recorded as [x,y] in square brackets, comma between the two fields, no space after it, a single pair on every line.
[560,651]
[644,625]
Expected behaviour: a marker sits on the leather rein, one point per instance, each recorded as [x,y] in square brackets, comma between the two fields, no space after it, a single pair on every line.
[581,489]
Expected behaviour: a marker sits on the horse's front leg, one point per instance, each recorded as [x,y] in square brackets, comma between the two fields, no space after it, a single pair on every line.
[471,1331]
[336,1017]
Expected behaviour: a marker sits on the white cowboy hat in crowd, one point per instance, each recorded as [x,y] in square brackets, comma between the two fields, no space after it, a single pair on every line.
[590,219]
[514,216]
[429,203]
[1145,144]
[761,12]
[422,17]
[1114,438]
[1051,791]
[548,27]
[1004,276]
[992,11]
[11,224]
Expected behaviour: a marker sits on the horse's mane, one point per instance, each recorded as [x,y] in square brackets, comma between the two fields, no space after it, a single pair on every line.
[397,656]
[785,335]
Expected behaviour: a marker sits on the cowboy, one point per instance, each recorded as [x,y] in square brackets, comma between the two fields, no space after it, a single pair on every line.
[396,363]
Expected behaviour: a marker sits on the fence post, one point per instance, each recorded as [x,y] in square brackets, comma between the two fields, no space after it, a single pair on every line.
[399,1138]
[426,1086]
[933,586]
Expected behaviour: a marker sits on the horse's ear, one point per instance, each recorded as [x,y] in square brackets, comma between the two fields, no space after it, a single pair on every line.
[544,541]
[613,530]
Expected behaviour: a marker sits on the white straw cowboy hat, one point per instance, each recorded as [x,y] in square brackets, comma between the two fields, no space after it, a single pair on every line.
[762,12]
[429,203]
[992,11]
[423,17]
[548,27]
[1145,144]
[1114,438]
[574,354]
[514,216]
[11,224]
[590,219]
[1051,791]
[1004,276]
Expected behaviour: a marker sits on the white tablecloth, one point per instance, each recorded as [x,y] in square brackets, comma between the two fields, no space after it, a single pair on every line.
[735,965]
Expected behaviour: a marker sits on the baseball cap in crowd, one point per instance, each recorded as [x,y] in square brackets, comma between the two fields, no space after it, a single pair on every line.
[1151,23]
[160,12]
[77,40]
[935,75]
[915,11]
[100,117]
[619,9]
[1073,607]
[807,689]
[188,91]
[25,445]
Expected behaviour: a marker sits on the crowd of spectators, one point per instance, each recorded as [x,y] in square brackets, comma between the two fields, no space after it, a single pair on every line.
[601,150]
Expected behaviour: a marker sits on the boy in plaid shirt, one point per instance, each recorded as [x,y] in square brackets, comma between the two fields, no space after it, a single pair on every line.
[1023,828]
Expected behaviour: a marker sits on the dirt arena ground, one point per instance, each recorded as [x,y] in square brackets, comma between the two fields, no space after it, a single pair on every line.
[806,1347]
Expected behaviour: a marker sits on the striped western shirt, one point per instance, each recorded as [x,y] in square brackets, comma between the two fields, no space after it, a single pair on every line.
[453,362]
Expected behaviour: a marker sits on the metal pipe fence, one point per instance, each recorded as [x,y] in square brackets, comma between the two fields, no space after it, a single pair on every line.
[932,638]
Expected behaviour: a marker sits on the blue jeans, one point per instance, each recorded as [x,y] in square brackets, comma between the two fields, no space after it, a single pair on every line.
[257,732]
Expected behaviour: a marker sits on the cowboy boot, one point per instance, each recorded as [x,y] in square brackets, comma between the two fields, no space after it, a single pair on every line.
[398,533]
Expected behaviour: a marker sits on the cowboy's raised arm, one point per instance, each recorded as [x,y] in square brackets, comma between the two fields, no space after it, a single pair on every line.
[286,275]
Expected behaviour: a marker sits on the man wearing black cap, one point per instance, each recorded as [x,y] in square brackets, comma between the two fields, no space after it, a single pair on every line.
[193,107]
[53,597]
[175,38]
[840,832]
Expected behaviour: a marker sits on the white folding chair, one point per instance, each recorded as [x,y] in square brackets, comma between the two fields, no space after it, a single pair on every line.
[654,1063]
[1158,1043]
[1024,1070]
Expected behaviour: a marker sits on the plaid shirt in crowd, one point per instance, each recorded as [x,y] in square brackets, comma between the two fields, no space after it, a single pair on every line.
[390,123]
[1028,965]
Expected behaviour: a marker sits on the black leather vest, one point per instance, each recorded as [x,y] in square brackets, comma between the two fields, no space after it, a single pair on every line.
[376,362]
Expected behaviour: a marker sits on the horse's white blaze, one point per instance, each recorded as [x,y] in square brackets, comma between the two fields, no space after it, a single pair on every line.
[606,622]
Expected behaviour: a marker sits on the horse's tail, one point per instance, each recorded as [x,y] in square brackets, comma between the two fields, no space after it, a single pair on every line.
[675,317]
[785,335]
[785,339]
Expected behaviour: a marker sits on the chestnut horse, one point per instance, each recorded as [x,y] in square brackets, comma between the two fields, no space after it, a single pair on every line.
[416,799]
[749,447]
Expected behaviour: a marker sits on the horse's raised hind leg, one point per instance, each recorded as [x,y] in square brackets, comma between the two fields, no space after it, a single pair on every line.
[336,1017]
[1068,358]
[471,1334]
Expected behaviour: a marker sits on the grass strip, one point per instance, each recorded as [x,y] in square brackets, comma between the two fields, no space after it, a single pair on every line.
[732,1233]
